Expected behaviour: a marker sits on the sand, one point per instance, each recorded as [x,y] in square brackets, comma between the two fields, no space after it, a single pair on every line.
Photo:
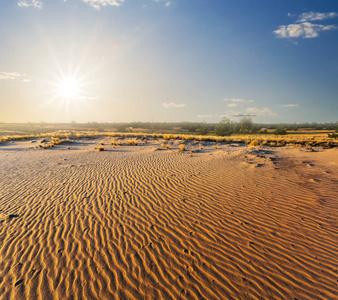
[141,222]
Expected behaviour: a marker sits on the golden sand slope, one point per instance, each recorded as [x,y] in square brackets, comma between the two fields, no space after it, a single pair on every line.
[133,223]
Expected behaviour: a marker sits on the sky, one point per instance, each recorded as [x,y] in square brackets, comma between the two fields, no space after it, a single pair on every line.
[168,60]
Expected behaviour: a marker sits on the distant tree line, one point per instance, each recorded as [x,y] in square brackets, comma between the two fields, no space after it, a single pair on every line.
[223,128]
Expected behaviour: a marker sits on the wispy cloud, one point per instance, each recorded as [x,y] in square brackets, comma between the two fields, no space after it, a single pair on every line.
[9,75]
[204,116]
[98,4]
[234,99]
[304,28]
[235,114]
[316,16]
[243,115]
[232,104]
[27,3]
[261,111]
[238,100]
[167,3]
[173,105]
[291,105]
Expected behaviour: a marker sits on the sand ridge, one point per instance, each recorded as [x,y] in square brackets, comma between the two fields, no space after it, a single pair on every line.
[133,223]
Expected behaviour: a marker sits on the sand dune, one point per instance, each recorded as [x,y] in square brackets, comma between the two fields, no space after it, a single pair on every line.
[133,223]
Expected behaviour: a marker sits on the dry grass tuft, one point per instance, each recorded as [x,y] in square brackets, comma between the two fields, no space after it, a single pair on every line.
[254,143]
[167,137]
[182,148]
[165,146]
[100,148]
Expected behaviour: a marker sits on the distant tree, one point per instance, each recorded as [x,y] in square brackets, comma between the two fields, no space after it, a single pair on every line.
[204,128]
[280,131]
[224,127]
[121,127]
[193,127]
[246,124]
[333,135]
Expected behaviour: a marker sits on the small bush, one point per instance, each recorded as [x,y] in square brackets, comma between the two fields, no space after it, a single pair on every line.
[100,148]
[167,137]
[254,143]
[280,131]
[333,135]
[182,148]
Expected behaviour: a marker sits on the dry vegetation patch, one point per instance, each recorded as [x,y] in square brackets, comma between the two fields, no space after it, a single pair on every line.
[308,139]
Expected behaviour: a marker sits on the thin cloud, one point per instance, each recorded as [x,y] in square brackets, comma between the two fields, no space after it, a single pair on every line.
[238,100]
[235,114]
[204,116]
[243,115]
[9,75]
[261,111]
[232,104]
[304,27]
[312,16]
[291,105]
[305,30]
[234,99]
[34,3]
[98,4]
[173,105]
[167,3]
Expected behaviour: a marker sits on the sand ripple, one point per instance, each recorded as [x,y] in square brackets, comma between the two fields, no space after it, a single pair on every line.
[241,224]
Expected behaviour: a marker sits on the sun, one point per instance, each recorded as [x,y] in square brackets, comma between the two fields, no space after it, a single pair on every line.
[69,88]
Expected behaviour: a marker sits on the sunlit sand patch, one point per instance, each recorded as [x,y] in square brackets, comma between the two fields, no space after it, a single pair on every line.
[134,223]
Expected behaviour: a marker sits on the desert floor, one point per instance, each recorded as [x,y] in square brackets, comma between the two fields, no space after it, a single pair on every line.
[143,222]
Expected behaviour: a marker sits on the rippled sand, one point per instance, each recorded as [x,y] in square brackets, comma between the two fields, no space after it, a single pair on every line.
[133,222]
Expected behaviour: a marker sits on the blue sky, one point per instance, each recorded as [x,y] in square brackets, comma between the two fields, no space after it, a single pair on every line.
[177,60]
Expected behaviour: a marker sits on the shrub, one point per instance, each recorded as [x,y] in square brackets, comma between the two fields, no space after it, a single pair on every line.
[254,143]
[182,148]
[167,137]
[333,135]
[280,131]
